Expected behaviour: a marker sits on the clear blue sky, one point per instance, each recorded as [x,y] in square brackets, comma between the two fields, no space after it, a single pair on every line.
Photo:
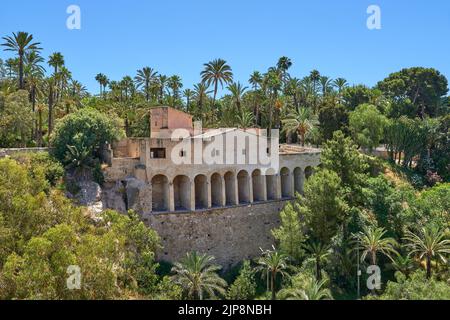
[176,37]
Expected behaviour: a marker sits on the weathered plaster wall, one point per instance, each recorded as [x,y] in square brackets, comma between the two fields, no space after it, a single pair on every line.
[229,234]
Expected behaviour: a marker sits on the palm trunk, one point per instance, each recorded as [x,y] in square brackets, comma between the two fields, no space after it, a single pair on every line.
[21,84]
[272,283]
[215,94]
[428,267]
[39,130]
[50,110]
[318,269]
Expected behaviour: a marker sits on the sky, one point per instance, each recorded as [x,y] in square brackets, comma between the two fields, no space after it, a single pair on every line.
[177,37]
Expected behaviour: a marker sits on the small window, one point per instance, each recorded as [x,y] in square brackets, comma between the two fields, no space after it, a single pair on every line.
[158,153]
[217,152]
[182,153]
[268,150]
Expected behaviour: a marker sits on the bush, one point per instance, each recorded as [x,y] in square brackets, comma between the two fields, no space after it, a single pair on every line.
[86,129]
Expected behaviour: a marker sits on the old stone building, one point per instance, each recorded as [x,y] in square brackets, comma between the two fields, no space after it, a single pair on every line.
[206,189]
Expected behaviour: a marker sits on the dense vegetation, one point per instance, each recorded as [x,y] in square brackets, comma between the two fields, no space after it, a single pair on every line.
[356,208]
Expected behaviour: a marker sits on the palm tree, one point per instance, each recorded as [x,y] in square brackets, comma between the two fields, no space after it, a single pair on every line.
[429,243]
[283,64]
[197,275]
[319,252]
[301,121]
[188,94]
[403,264]
[145,77]
[201,94]
[215,72]
[22,42]
[373,241]
[56,60]
[245,119]
[175,84]
[340,84]
[237,91]
[326,85]
[256,80]
[12,64]
[312,290]
[162,81]
[102,81]
[273,263]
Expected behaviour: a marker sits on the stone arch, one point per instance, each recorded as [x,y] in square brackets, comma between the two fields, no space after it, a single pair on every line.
[271,186]
[182,193]
[230,189]
[298,180]
[258,186]
[309,171]
[243,187]
[201,192]
[160,193]
[286,184]
[216,190]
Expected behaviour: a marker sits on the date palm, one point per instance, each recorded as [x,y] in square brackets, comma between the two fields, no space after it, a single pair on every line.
[273,263]
[326,85]
[56,60]
[174,83]
[319,252]
[299,121]
[237,91]
[428,244]
[145,77]
[340,84]
[162,81]
[312,290]
[283,64]
[188,94]
[245,119]
[372,241]
[197,275]
[201,95]
[216,72]
[21,43]
[102,81]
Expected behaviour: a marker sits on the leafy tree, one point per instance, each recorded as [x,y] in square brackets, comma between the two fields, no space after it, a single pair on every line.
[290,234]
[332,118]
[415,287]
[367,126]
[424,87]
[197,275]
[323,206]
[244,287]
[356,96]
[86,129]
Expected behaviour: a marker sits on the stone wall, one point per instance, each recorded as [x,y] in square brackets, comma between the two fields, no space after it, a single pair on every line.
[229,234]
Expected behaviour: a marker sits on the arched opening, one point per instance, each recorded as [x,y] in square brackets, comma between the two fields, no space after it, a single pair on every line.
[160,193]
[216,190]
[182,193]
[308,172]
[258,186]
[230,189]
[271,186]
[201,192]
[298,180]
[285,183]
[243,187]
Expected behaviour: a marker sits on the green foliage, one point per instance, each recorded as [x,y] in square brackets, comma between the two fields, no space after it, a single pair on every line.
[367,126]
[52,169]
[324,207]
[290,234]
[85,131]
[333,118]
[244,287]
[16,119]
[415,287]
[304,286]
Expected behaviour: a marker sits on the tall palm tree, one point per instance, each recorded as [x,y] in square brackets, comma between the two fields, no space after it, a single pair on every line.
[372,241]
[340,84]
[175,84]
[12,66]
[63,76]
[162,81]
[283,64]
[201,95]
[299,121]
[237,91]
[188,94]
[312,290]
[326,85]
[256,80]
[273,263]
[197,275]
[102,81]
[20,42]
[430,243]
[215,72]
[319,252]
[145,77]
[56,60]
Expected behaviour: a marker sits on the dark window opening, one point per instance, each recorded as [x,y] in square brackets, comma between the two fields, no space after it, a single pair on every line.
[158,153]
